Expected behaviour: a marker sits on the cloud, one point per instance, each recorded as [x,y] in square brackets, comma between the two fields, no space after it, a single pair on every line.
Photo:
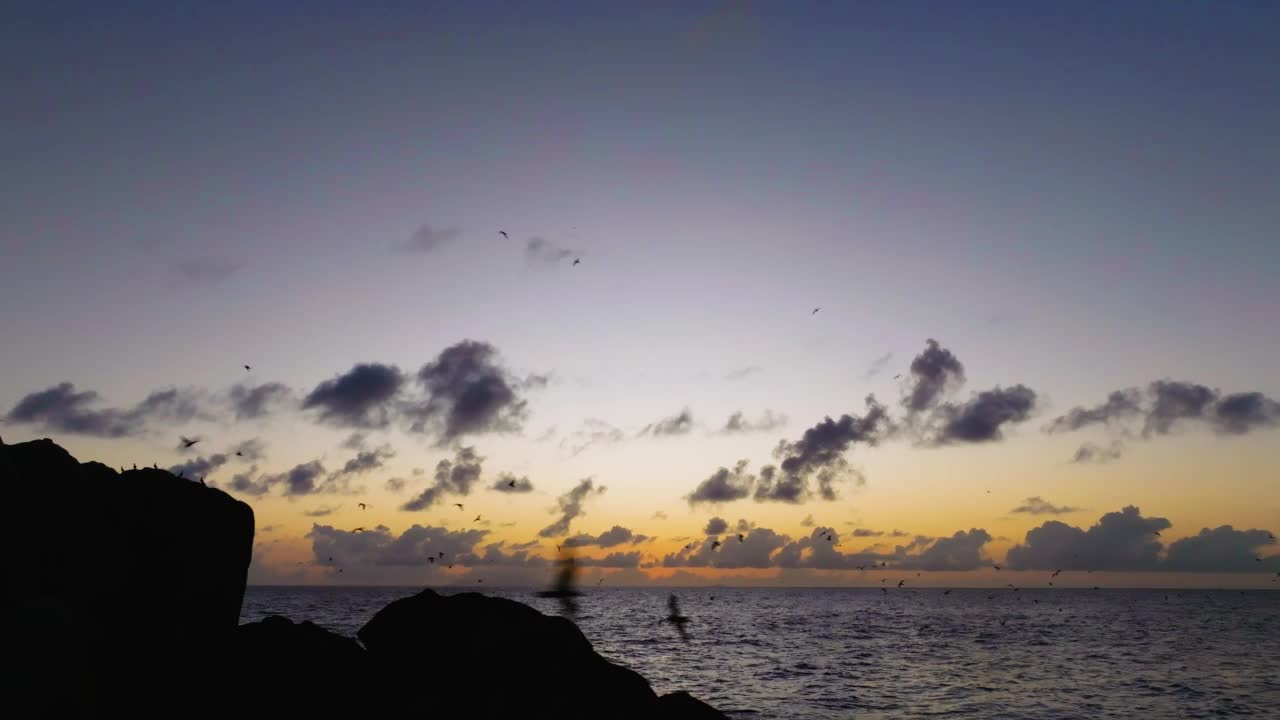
[395,484]
[207,271]
[807,521]
[678,424]
[982,418]
[508,483]
[934,372]
[1240,413]
[1222,549]
[304,479]
[961,551]
[244,484]
[545,252]
[321,511]
[366,461]
[250,403]
[739,423]
[468,393]
[878,365]
[63,409]
[613,560]
[594,432]
[715,526]
[359,398]
[418,472]
[454,477]
[1039,506]
[1119,405]
[755,551]
[742,372]
[570,507]
[251,449]
[867,532]
[355,441]
[494,556]
[199,467]
[1123,540]
[617,535]
[724,485]
[417,546]
[659,515]
[1174,401]
[426,239]
[819,453]
[1094,453]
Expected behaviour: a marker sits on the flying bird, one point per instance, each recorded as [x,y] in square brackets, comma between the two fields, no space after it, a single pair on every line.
[1156,533]
[363,506]
[715,544]
[901,583]
[996,567]
[202,482]
[431,560]
[946,592]
[504,234]
[247,368]
[239,454]
[675,618]
[815,311]
[511,483]
[458,505]
[1055,573]
[741,537]
[577,261]
[188,442]
[884,590]
[441,554]
[477,519]
[563,589]
[895,377]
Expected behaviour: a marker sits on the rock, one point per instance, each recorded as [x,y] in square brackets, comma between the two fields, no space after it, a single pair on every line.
[683,706]
[505,658]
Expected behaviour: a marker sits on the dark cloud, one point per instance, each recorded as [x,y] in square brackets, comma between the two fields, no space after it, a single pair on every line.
[807,521]
[715,526]
[1173,401]
[613,560]
[258,401]
[454,477]
[362,397]
[504,484]
[755,551]
[617,535]
[249,450]
[1119,405]
[426,239]
[594,432]
[740,423]
[724,485]
[867,532]
[1094,453]
[1240,413]
[395,484]
[961,551]
[934,372]
[200,467]
[1039,506]
[304,479]
[322,511]
[878,365]
[819,454]
[366,461]
[542,251]
[63,409]
[468,392]
[417,546]
[1123,540]
[570,507]
[982,418]
[207,271]
[678,424]
[355,441]
[1222,549]
[493,555]
[244,484]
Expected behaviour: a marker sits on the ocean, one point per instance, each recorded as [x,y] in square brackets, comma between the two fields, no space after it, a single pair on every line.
[860,653]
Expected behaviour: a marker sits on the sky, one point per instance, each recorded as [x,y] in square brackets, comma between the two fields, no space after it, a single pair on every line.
[935,287]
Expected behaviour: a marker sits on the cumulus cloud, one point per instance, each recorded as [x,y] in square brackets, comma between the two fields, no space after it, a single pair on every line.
[679,424]
[724,485]
[1118,406]
[426,239]
[867,532]
[617,535]
[594,432]
[1173,401]
[613,560]
[303,479]
[362,397]
[355,441]
[740,423]
[366,461]
[961,551]
[258,401]
[508,483]
[755,551]
[570,506]
[1240,413]
[983,417]
[394,485]
[62,408]
[249,450]
[494,555]
[1039,506]
[934,372]
[417,546]
[1098,454]
[245,484]
[322,511]
[540,251]
[819,454]
[1123,540]
[715,526]
[1222,549]
[200,466]
[454,477]
[468,392]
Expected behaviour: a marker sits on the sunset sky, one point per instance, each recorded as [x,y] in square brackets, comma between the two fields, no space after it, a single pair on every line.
[1046,239]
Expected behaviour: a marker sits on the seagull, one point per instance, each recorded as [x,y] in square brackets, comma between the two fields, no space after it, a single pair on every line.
[477,519]
[884,590]
[675,618]
[1156,533]
[815,311]
[716,543]
[135,466]
[239,454]
[363,506]
[996,567]
[247,368]
[359,529]
[441,554]
[431,560]
[741,537]
[901,583]
[188,442]
[1055,573]
[946,592]
[511,483]
[504,234]
[899,375]
[202,482]
[577,261]
[458,505]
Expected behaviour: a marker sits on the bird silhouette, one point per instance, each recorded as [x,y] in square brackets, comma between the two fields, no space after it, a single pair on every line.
[477,519]
[188,442]
[363,506]
[135,466]
[895,377]
[715,544]
[202,482]
[441,554]
[431,560]
[741,537]
[246,367]
[511,483]
[884,590]
[563,589]
[946,592]
[1156,533]
[996,567]
[577,261]
[815,311]
[901,583]
[359,529]
[458,505]
[239,454]
[1055,573]
[504,234]
[675,618]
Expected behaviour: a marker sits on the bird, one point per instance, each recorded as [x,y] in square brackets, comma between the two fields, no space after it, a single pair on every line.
[577,261]
[504,234]
[441,554]
[1156,533]
[884,590]
[1004,620]
[1270,536]
[477,519]
[1055,573]
[188,442]
[741,537]
[557,548]
[715,544]
[1257,559]
[899,375]
[181,472]
[901,583]
[330,558]
[202,482]
[239,454]
[458,505]
[359,529]
[815,311]
[479,580]
[988,492]
[828,537]
[563,589]
[946,592]
[601,580]
[247,368]
[675,618]
[511,483]
[996,567]
[363,506]
[431,560]
[450,566]
[135,466]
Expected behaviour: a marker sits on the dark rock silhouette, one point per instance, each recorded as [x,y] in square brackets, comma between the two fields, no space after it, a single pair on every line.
[125,589]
